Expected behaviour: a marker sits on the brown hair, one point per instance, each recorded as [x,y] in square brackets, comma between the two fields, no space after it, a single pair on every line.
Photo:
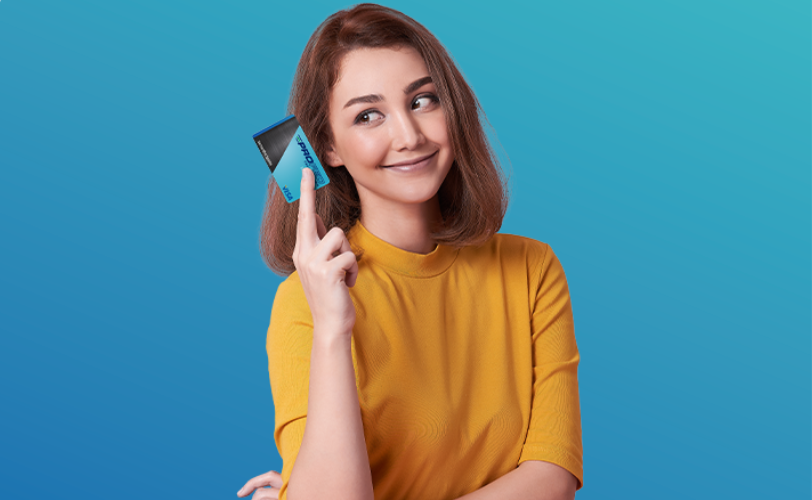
[474,196]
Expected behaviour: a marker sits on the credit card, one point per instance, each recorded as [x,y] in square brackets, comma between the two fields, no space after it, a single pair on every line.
[286,150]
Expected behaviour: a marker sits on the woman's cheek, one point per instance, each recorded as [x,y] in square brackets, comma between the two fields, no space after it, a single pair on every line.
[372,151]
[439,130]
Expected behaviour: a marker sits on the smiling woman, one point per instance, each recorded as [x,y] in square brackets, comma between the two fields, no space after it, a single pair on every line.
[413,351]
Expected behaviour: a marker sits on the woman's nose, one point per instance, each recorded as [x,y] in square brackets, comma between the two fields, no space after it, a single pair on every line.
[406,133]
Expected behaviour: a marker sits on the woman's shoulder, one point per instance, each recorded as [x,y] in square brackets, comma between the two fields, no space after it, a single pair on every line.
[507,245]
[507,251]
[290,291]
[520,241]
[290,313]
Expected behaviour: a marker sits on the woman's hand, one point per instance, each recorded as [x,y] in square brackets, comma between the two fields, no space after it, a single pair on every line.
[325,276]
[271,478]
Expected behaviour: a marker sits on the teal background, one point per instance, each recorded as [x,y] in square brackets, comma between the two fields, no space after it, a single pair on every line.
[661,148]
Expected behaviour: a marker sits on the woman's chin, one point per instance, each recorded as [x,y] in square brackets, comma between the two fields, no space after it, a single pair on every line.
[416,197]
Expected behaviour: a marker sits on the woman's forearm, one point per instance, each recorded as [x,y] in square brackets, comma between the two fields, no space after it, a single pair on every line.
[332,460]
[531,480]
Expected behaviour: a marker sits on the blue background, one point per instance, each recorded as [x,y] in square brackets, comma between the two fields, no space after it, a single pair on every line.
[661,148]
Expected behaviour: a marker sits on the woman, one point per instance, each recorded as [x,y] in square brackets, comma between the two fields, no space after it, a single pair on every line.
[414,353]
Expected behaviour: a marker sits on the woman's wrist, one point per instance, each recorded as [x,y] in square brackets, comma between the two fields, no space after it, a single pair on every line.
[330,336]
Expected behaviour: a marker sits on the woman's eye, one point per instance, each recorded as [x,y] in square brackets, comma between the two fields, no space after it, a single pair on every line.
[428,101]
[364,117]
[425,101]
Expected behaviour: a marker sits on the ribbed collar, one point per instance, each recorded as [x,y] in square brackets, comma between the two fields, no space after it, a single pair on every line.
[415,265]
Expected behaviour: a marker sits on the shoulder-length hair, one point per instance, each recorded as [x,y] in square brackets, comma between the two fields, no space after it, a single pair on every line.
[474,196]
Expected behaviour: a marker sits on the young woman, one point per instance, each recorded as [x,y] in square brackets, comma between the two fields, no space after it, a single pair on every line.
[414,353]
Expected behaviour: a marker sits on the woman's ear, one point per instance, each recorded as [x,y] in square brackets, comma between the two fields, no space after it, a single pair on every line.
[332,157]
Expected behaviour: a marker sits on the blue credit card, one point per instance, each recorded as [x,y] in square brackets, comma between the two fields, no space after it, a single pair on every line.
[286,151]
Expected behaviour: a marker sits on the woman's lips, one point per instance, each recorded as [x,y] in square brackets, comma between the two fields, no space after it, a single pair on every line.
[410,167]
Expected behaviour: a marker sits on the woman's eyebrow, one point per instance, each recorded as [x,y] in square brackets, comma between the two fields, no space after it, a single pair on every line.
[372,98]
[417,84]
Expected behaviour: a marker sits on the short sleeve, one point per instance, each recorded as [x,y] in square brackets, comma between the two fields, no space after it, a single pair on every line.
[554,433]
[289,341]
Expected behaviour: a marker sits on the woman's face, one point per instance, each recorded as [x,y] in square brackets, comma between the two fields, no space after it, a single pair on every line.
[384,110]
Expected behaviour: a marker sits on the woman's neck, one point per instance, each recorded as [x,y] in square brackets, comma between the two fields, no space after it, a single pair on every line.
[407,227]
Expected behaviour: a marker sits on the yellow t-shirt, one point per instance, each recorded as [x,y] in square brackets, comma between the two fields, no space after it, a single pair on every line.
[465,363]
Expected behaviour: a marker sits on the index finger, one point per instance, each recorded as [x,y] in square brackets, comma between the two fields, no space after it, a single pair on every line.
[306,230]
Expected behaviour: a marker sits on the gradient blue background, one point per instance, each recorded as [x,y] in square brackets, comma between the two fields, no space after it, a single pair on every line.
[661,148]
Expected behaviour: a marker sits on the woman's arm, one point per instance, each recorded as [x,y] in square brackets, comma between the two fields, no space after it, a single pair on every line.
[555,402]
[332,461]
[531,480]
[332,458]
